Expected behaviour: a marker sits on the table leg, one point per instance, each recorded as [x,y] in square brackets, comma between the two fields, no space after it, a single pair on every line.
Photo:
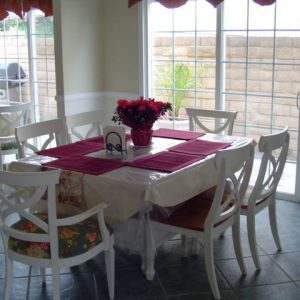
[149,251]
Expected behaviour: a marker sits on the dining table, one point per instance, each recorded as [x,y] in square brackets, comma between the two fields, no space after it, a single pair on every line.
[175,167]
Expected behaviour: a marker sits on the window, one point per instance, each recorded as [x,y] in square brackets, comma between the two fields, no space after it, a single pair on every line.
[241,56]
[27,66]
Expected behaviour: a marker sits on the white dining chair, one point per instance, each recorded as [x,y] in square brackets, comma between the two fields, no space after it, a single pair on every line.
[274,150]
[41,135]
[199,218]
[12,115]
[211,121]
[84,125]
[45,239]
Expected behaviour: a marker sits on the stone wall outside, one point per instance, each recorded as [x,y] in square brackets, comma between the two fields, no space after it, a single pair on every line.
[259,79]
[259,84]
[45,62]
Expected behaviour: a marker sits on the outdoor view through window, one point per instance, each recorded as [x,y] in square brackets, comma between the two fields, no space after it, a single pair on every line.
[246,58]
[27,66]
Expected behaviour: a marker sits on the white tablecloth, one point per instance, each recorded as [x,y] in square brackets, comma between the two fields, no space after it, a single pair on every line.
[128,190]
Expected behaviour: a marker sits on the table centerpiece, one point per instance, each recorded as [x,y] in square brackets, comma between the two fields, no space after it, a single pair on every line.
[140,115]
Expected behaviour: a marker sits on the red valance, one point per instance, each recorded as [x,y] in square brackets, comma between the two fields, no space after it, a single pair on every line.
[177,3]
[20,7]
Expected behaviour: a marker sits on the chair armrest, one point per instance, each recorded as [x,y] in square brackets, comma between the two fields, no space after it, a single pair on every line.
[82,216]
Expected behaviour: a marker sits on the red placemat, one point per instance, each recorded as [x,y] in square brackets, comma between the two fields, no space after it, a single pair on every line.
[165,161]
[196,147]
[77,148]
[86,164]
[177,134]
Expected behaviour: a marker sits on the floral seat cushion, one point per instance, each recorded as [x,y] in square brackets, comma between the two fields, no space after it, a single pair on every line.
[73,240]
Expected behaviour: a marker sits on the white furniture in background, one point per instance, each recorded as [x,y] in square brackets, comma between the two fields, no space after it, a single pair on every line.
[274,149]
[41,184]
[12,114]
[199,218]
[211,121]
[84,125]
[40,135]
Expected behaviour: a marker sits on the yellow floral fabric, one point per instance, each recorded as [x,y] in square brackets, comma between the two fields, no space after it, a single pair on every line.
[73,240]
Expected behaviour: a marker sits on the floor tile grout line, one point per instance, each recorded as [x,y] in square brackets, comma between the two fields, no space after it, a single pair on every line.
[285,272]
[227,281]
[28,283]
[161,285]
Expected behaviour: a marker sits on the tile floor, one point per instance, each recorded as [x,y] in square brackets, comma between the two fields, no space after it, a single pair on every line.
[184,278]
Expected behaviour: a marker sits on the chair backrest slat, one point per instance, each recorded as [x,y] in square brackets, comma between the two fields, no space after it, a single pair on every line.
[13,115]
[274,149]
[51,131]
[234,166]
[221,121]
[19,194]
[84,125]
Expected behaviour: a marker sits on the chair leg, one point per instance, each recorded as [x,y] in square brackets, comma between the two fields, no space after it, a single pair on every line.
[43,274]
[110,270]
[184,250]
[8,278]
[56,283]
[195,246]
[273,223]
[149,251]
[252,240]
[236,236]
[222,234]
[1,161]
[210,265]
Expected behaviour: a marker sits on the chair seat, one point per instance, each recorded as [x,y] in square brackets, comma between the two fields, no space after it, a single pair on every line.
[73,240]
[190,215]
[244,204]
[210,193]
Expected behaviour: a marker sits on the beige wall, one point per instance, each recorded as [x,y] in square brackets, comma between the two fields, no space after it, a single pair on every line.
[80,46]
[96,49]
[98,46]
[121,46]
